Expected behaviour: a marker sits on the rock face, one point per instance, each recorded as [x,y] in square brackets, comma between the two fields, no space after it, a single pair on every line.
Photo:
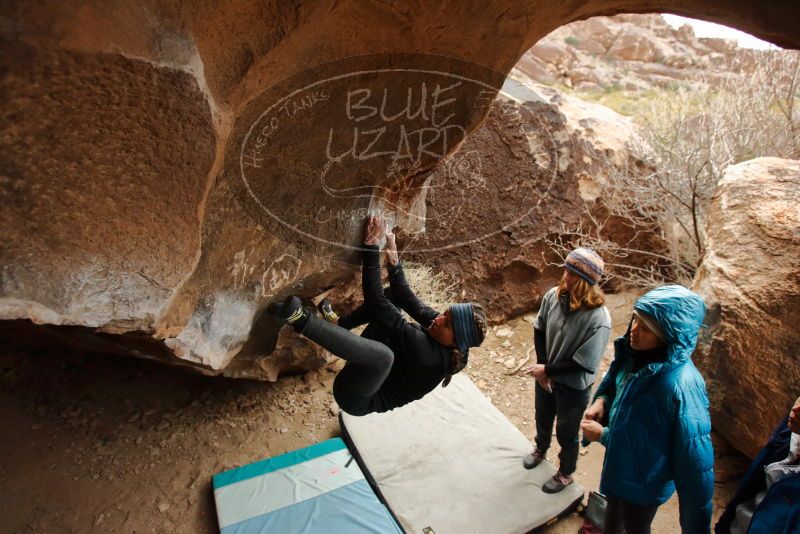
[634,52]
[532,171]
[750,281]
[168,168]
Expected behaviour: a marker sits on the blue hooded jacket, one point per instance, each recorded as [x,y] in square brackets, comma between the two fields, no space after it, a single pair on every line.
[659,430]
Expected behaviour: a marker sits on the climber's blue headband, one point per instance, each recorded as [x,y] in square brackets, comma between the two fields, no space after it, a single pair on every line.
[464,329]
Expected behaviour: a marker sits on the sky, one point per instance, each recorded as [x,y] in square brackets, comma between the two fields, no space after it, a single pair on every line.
[709,29]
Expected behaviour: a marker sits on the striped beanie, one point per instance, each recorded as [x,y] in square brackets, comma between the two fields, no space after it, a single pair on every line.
[586,263]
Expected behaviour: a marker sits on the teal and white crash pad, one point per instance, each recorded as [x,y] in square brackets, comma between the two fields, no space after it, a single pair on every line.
[451,463]
[318,489]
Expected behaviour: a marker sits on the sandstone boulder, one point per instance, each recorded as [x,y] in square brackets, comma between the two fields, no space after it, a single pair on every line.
[596,33]
[637,44]
[589,46]
[170,168]
[638,51]
[558,54]
[536,69]
[750,281]
[722,46]
[532,171]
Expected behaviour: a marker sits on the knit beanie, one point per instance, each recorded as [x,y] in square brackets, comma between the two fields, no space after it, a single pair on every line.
[586,263]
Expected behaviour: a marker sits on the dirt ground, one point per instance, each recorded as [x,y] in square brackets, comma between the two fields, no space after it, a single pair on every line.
[109,444]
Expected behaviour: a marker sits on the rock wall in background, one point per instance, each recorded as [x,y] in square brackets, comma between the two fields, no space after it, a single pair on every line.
[635,53]
[534,170]
[169,168]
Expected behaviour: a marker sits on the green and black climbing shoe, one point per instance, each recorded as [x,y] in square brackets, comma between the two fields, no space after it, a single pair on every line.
[326,309]
[291,312]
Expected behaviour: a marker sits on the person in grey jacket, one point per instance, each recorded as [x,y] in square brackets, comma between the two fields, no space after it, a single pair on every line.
[570,334]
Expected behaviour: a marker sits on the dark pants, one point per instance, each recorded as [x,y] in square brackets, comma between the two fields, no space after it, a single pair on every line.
[634,519]
[566,406]
[368,362]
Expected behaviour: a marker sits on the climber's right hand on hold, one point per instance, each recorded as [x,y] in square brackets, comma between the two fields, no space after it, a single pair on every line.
[375,230]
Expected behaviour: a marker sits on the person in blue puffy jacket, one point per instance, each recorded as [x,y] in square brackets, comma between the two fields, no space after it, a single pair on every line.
[655,407]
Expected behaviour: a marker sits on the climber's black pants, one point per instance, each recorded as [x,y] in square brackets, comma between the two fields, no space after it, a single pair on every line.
[368,362]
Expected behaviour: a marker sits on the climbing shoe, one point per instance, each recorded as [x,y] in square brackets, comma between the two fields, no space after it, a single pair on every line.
[326,309]
[291,312]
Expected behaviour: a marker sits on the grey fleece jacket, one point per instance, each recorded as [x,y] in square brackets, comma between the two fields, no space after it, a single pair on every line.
[578,335]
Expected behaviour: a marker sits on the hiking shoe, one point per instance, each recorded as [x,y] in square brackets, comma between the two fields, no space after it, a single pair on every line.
[557,483]
[326,309]
[291,312]
[533,459]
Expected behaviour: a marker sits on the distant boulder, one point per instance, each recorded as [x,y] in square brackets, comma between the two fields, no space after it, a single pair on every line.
[534,170]
[750,281]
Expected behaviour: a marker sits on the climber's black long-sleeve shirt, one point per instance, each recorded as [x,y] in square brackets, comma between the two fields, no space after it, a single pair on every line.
[420,362]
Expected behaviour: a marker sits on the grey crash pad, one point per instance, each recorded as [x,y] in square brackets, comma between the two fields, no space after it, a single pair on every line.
[452,463]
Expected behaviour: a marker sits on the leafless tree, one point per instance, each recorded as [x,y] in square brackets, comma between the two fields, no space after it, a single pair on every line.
[695,131]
